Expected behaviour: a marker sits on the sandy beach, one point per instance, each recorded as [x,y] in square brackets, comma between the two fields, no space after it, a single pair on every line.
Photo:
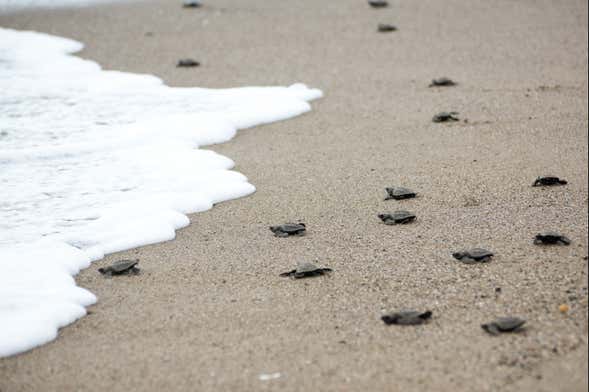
[209,312]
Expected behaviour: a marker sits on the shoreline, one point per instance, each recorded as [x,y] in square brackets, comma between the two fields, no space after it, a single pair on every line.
[209,311]
[39,274]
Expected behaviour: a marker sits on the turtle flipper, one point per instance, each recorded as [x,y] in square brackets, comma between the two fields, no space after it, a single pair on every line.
[288,274]
[491,329]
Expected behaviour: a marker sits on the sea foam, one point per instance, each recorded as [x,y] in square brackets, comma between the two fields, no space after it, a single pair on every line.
[94,162]
[18,5]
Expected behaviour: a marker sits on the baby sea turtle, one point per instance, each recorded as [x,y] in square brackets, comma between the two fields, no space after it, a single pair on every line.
[551,238]
[397,218]
[445,117]
[378,3]
[406,317]
[442,82]
[548,181]
[504,324]
[191,3]
[399,193]
[386,28]
[121,267]
[187,63]
[289,229]
[306,270]
[472,256]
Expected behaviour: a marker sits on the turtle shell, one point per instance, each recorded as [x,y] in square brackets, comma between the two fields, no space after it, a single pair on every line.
[504,324]
[399,193]
[406,317]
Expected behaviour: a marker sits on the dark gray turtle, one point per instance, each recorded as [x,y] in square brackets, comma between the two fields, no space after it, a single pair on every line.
[289,229]
[378,3]
[121,267]
[191,3]
[406,317]
[187,63]
[305,270]
[386,28]
[445,117]
[442,82]
[551,238]
[397,218]
[548,181]
[399,193]
[504,324]
[472,256]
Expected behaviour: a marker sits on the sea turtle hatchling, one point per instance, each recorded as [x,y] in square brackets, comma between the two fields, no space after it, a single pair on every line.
[406,317]
[442,82]
[191,3]
[445,117]
[549,181]
[306,270]
[121,267]
[378,3]
[386,28]
[504,324]
[185,63]
[472,256]
[551,238]
[288,229]
[397,218]
[399,193]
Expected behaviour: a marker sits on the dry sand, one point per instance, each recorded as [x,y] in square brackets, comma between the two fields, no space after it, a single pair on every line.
[209,312]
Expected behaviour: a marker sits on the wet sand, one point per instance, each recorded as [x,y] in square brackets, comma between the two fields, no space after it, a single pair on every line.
[209,311]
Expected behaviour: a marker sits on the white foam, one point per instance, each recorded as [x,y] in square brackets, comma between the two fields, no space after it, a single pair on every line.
[94,162]
[17,5]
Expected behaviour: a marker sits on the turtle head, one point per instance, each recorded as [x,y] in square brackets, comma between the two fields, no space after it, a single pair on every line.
[426,315]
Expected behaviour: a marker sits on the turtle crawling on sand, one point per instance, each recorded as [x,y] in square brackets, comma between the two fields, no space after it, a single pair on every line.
[289,229]
[397,218]
[472,256]
[549,181]
[121,267]
[378,3]
[406,317]
[504,324]
[386,28]
[186,63]
[445,117]
[306,270]
[551,238]
[191,3]
[442,82]
[399,193]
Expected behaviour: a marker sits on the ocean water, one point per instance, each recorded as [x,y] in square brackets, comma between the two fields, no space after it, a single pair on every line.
[94,162]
